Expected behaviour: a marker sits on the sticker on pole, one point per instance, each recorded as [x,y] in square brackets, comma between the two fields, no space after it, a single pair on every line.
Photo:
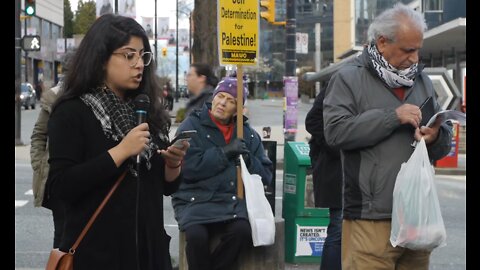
[238,32]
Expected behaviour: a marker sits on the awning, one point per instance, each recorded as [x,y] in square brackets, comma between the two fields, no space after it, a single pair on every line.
[446,37]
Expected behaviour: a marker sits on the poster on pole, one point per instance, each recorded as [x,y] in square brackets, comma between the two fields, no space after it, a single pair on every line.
[291,111]
[147,24]
[104,7]
[238,23]
[301,45]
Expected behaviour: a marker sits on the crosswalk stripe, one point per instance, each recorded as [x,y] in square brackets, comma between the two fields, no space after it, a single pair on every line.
[20,203]
[29,192]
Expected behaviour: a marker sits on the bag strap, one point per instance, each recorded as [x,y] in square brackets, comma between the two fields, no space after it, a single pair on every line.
[94,216]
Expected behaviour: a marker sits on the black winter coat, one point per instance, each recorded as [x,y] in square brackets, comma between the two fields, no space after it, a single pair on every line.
[326,162]
[81,174]
[208,191]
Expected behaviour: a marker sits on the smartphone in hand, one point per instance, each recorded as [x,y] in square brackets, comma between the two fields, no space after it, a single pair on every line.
[427,110]
[182,136]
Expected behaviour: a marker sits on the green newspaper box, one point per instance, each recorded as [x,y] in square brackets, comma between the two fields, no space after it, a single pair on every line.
[305,225]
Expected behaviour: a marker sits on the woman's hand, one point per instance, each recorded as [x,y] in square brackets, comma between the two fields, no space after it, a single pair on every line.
[132,144]
[174,155]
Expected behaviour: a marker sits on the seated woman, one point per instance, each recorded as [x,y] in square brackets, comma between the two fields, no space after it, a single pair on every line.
[206,201]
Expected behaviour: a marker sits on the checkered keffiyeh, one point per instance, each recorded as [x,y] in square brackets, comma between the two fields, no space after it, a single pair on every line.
[116,116]
[393,77]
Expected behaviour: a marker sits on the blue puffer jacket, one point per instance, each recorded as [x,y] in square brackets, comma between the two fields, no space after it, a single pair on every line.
[208,192]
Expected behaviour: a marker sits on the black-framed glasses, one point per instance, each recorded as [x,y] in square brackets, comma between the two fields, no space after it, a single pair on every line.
[133,57]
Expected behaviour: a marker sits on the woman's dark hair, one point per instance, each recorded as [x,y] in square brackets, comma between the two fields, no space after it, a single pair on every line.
[206,70]
[85,71]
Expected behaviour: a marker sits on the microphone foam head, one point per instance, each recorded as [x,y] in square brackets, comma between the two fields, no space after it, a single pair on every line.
[141,102]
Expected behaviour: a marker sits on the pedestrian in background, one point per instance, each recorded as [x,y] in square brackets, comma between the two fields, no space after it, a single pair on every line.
[94,137]
[39,155]
[200,82]
[371,112]
[206,202]
[39,89]
[327,184]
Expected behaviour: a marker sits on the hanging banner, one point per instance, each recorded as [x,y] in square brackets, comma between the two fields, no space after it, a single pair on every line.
[238,32]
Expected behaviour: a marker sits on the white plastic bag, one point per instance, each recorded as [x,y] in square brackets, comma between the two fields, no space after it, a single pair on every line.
[416,217]
[260,213]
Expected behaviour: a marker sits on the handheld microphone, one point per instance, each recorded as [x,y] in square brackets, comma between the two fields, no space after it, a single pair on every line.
[142,103]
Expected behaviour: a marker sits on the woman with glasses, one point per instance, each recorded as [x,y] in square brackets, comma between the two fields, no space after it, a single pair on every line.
[94,136]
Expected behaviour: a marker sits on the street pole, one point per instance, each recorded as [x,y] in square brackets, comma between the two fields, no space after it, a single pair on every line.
[290,34]
[190,38]
[116,6]
[290,80]
[318,55]
[176,58]
[156,48]
[18,139]
[26,52]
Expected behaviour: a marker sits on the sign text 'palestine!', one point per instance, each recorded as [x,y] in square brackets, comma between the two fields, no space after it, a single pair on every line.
[238,32]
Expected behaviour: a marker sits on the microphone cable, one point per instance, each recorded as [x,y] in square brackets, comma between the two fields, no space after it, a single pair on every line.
[137,218]
[142,103]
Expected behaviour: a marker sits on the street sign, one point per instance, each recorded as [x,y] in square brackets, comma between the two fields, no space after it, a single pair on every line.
[301,45]
[238,22]
[31,43]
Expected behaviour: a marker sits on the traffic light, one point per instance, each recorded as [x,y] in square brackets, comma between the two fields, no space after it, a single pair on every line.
[31,43]
[30,8]
[164,52]
[269,13]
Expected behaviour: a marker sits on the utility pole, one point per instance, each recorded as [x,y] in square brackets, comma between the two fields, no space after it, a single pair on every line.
[26,53]
[18,139]
[318,55]
[155,44]
[290,34]
[190,38]
[176,58]
[290,80]
[116,7]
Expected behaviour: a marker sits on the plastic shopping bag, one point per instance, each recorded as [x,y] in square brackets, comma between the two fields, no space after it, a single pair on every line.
[260,213]
[416,218]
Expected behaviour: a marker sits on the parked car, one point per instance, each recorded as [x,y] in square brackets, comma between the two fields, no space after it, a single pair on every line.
[28,96]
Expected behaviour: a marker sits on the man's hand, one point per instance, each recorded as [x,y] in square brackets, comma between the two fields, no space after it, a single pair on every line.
[409,114]
[429,134]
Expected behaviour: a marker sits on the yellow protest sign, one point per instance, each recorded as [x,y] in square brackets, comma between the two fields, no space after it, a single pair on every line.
[238,32]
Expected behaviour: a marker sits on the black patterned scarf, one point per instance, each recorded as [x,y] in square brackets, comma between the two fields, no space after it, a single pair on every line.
[116,117]
[393,77]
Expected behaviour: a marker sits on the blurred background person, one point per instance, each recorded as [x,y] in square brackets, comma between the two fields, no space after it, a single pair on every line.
[327,184]
[200,83]
[39,155]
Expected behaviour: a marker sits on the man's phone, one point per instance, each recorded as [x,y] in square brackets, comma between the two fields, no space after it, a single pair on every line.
[427,110]
[182,136]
